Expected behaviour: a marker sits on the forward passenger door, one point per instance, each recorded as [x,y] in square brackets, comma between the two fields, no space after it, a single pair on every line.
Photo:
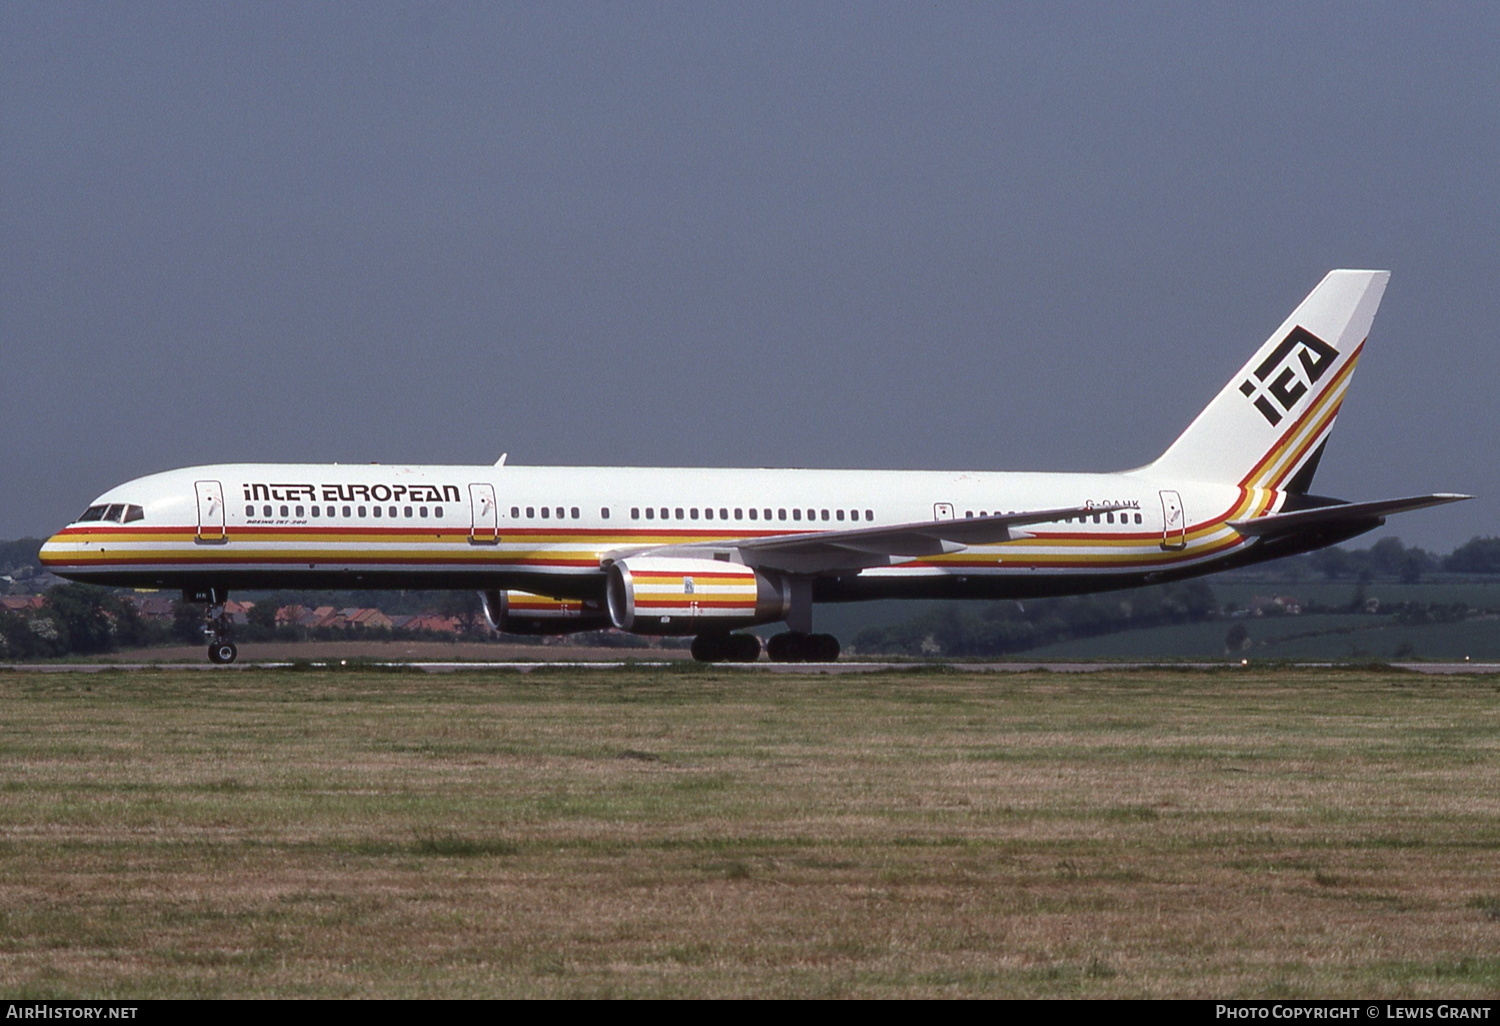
[210,512]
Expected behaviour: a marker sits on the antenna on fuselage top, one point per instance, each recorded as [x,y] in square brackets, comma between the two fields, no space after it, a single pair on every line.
[501,461]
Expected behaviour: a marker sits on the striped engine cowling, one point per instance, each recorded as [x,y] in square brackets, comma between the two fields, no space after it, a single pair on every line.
[520,612]
[653,595]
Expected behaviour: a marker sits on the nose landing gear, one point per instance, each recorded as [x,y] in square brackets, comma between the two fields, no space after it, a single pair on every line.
[217,625]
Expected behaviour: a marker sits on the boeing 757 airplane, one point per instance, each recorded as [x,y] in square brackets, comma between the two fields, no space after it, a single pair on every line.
[709,552]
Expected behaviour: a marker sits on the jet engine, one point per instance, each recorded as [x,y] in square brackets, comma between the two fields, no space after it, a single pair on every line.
[656,595]
[520,612]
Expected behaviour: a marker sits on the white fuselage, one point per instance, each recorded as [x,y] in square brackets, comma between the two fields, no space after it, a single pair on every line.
[706,551]
[555,529]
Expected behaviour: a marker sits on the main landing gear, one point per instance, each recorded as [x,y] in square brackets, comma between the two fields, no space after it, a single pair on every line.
[787,647]
[726,648]
[797,647]
[217,625]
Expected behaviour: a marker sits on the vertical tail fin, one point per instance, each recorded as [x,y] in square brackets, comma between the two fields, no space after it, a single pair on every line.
[1267,428]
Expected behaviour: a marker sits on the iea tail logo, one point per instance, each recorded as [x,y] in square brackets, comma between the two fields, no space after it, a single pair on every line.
[1276,385]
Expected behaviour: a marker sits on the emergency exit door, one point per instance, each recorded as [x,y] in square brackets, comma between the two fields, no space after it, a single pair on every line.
[485,529]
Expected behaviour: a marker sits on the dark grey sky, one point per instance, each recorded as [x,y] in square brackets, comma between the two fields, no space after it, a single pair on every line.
[1026,237]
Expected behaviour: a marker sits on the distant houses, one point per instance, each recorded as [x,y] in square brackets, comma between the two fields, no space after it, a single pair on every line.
[351,618]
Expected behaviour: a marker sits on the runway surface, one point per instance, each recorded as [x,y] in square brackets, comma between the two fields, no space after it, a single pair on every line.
[763,666]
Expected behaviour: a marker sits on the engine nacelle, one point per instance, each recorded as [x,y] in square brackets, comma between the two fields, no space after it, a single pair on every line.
[655,595]
[520,612]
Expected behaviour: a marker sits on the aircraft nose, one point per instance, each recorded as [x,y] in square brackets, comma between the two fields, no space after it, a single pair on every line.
[52,552]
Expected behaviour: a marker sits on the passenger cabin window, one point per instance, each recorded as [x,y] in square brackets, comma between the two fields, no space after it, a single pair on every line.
[603,512]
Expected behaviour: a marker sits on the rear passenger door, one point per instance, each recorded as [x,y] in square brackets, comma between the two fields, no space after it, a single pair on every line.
[1174,522]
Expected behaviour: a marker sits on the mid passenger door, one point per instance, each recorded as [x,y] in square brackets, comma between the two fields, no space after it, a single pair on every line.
[210,511]
[1174,522]
[485,529]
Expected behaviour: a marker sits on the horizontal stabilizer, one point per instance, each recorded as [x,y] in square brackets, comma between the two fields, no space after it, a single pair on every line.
[1343,513]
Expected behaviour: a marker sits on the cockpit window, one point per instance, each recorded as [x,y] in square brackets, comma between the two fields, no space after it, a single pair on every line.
[117,512]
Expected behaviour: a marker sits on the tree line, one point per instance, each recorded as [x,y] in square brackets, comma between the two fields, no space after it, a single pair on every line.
[79,619]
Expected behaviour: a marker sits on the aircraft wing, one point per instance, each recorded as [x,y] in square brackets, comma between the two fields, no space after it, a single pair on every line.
[827,551]
[1342,513]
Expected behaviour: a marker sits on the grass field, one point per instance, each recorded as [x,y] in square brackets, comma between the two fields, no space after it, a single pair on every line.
[692,832]
[1314,637]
